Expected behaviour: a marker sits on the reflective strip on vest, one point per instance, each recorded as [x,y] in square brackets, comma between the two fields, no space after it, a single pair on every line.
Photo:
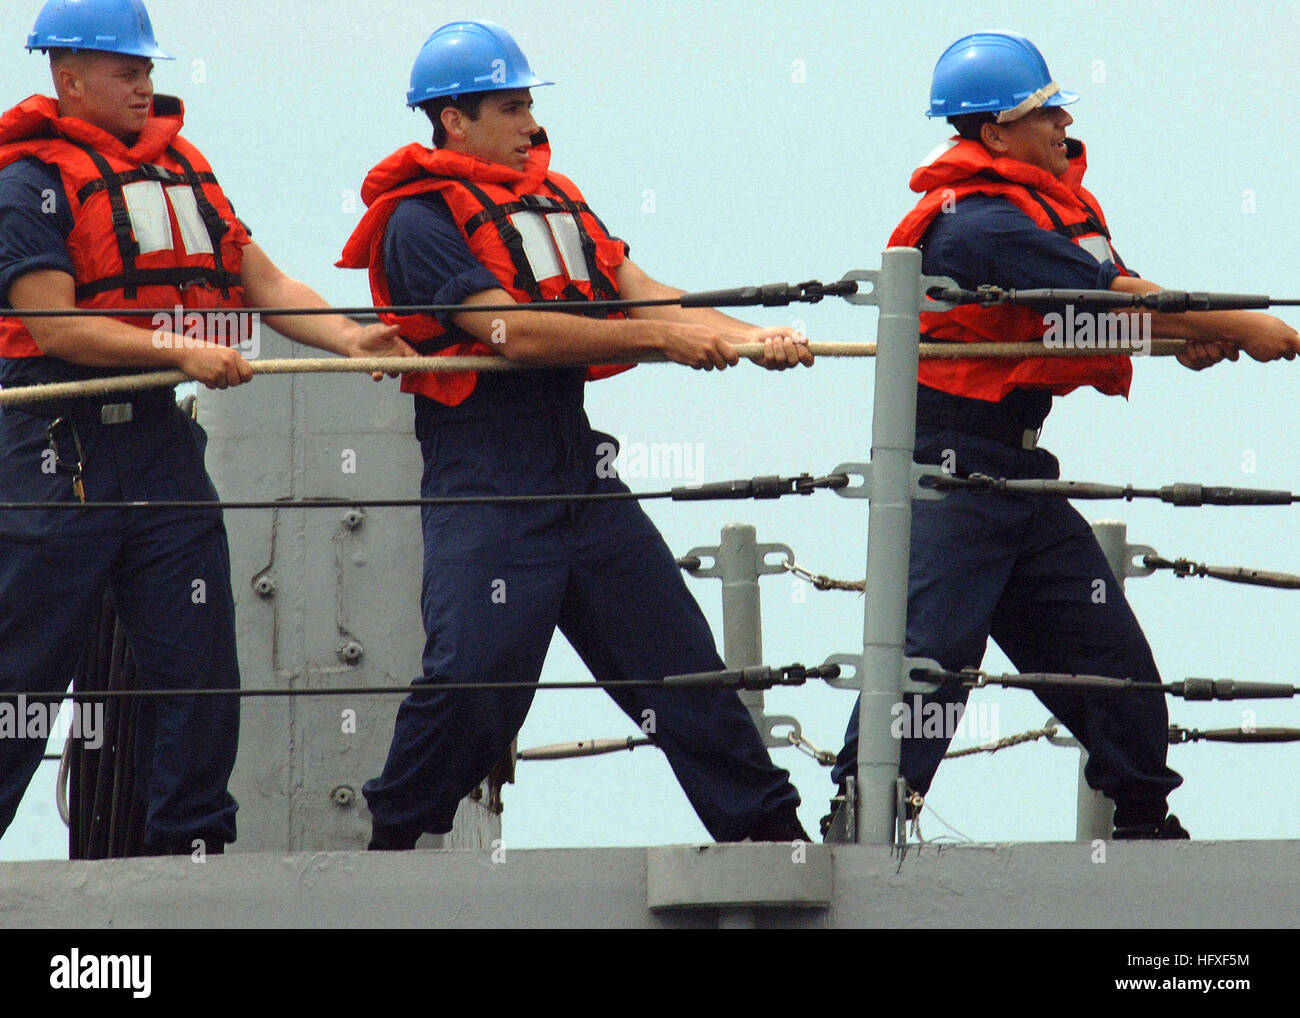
[151,223]
[194,233]
[547,240]
[1097,246]
[564,230]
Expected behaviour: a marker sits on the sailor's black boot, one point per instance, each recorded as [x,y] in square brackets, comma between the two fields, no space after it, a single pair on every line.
[783,825]
[391,839]
[1168,829]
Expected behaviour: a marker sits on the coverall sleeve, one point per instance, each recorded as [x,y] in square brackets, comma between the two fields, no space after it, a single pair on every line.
[35,222]
[427,260]
[987,240]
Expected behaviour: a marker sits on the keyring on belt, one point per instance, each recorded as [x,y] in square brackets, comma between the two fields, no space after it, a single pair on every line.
[76,468]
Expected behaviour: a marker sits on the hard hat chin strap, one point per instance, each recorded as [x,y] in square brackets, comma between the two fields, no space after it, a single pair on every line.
[1030,103]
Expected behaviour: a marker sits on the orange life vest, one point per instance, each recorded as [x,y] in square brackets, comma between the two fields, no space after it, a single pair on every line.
[1058,204]
[151,226]
[530,228]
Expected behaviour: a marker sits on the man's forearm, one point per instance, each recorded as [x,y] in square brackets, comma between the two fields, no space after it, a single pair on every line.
[266,286]
[634,284]
[105,343]
[1198,326]
[692,316]
[558,340]
[324,332]
[91,342]
[699,339]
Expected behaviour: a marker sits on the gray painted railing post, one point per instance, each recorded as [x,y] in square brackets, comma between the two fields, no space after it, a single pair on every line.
[738,561]
[889,529]
[1095,810]
[742,625]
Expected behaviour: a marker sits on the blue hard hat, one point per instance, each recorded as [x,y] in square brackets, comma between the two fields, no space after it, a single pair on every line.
[111,26]
[469,56]
[993,72]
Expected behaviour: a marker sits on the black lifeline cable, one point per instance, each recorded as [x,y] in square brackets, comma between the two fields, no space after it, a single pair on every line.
[767,295]
[755,488]
[77,696]
[1166,301]
[760,677]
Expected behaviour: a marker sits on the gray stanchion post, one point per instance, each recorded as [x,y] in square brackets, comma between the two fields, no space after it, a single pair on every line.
[739,560]
[1095,810]
[889,533]
[742,617]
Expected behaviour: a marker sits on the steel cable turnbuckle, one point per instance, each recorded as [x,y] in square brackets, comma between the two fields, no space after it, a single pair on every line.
[1180,494]
[757,677]
[1183,567]
[771,486]
[1188,689]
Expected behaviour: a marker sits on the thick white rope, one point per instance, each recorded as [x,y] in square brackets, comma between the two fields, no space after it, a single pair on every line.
[750,351]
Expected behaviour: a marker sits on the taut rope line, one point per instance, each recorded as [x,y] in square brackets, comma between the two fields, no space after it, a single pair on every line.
[750,351]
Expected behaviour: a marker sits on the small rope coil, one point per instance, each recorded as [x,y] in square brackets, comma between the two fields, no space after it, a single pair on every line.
[1011,740]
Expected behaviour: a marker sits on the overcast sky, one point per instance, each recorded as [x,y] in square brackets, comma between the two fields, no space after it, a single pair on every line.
[743,143]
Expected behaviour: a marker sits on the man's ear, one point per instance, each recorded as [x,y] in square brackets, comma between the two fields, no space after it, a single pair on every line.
[992,139]
[67,81]
[453,122]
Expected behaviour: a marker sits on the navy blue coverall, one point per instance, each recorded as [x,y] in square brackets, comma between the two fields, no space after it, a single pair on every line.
[1022,569]
[169,571]
[498,581]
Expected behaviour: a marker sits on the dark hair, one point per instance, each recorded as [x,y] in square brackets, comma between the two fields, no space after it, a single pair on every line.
[968,124]
[61,55]
[470,104]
